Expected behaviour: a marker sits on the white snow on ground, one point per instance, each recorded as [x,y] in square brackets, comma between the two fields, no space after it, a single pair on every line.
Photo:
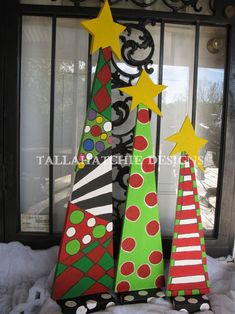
[26,277]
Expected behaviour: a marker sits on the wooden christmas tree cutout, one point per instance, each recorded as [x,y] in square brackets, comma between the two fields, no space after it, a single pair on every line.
[188,275]
[85,263]
[140,262]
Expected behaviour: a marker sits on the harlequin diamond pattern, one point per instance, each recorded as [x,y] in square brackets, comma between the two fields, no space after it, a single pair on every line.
[94,270]
[101,93]
[86,257]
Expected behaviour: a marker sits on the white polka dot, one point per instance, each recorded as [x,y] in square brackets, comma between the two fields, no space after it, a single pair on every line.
[192,301]
[87,129]
[110,304]
[91,304]
[129,298]
[71,232]
[81,310]
[107,126]
[160,294]
[150,299]
[106,296]
[205,297]
[204,306]
[143,293]
[109,227]
[70,303]
[184,310]
[91,222]
[89,156]
[86,239]
[179,299]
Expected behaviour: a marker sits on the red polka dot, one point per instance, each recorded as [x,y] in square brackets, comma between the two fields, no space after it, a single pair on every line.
[140,142]
[136,180]
[151,199]
[132,213]
[152,228]
[143,271]
[96,130]
[155,257]
[127,268]
[128,244]
[148,164]
[160,282]
[123,286]
[143,116]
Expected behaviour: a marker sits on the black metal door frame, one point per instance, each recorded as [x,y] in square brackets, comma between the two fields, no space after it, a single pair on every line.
[222,242]
[2,30]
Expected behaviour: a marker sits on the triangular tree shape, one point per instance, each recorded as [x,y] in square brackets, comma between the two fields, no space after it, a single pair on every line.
[140,263]
[85,263]
[188,273]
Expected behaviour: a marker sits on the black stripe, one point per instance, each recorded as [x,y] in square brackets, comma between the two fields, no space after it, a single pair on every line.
[98,201]
[94,163]
[106,217]
[93,185]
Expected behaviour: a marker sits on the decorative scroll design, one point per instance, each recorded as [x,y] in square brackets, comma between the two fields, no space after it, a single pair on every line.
[137,53]
[174,5]
[177,5]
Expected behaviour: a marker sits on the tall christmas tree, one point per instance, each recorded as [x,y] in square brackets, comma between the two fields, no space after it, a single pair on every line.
[85,263]
[188,277]
[140,263]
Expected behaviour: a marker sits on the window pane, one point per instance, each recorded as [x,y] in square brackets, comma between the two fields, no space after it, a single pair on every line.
[176,104]
[209,115]
[34,122]
[70,107]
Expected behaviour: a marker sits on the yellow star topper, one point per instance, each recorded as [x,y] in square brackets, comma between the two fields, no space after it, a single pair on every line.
[187,141]
[105,32]
[144,93]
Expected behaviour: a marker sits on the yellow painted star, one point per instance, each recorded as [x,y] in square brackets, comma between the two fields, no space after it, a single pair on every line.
[187,141]
[144,93]
[105,32]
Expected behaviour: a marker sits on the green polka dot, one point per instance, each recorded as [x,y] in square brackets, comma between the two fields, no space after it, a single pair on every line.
[99,231]
[72,247]
[76,217]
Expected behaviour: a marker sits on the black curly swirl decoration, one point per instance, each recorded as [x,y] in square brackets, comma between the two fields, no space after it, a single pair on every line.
[136,52]
[177,5]
[174,5]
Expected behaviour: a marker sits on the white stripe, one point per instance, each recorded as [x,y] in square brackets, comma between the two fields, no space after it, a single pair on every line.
[188,235]
[187,178]
[188,207]
[188,221]
[96,211]
[105,189]
[186,193]
[103,168]
[186,262]
[188,248]
[188,279]
[187,164]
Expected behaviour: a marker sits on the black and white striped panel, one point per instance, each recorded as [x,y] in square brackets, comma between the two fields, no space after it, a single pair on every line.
[92,190]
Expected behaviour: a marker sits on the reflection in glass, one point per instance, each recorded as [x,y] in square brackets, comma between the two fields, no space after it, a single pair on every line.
[209,115]
[176,104]
[70,107]
[34,122]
